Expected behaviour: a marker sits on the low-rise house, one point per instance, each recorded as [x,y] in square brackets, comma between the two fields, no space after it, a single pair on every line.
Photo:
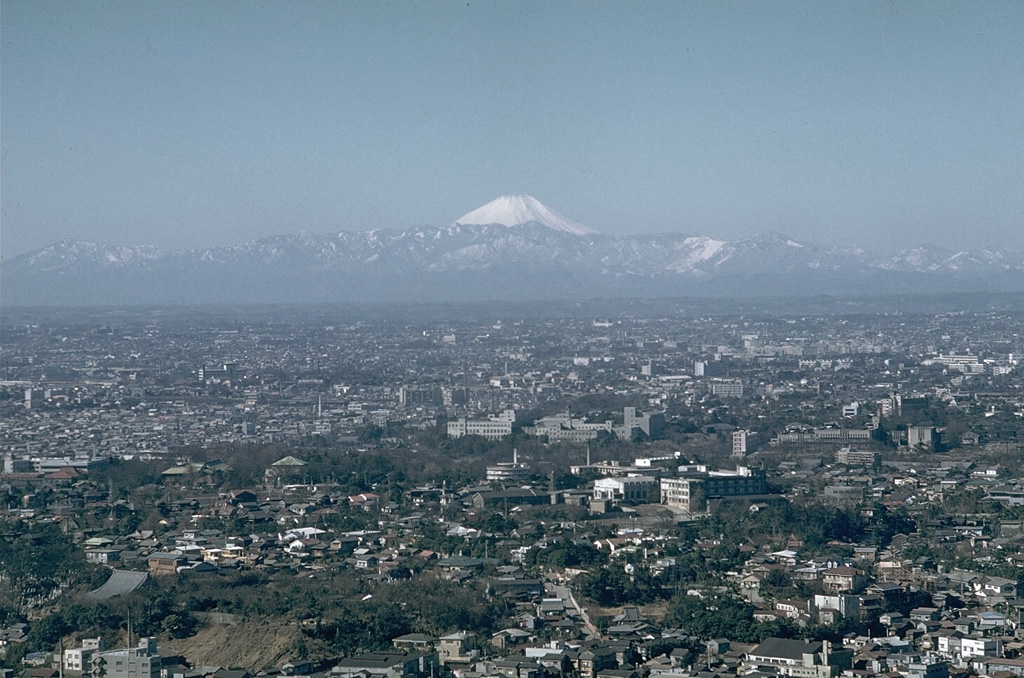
[781,652]
[593,661]
[844,579]
[511,637]
[414,642]
[455,649]
[517,667]
[387,665]
[165,563]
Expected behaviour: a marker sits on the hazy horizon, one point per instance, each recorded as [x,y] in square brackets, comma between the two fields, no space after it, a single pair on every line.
[188,124]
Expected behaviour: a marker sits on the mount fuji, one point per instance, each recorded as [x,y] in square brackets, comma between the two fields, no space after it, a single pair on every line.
[516,210]
[512,248]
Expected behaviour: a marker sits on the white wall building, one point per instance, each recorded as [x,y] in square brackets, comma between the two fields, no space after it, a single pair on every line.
[637,489]
[495,427]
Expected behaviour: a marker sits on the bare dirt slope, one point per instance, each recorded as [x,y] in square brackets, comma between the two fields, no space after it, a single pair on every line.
[250,645]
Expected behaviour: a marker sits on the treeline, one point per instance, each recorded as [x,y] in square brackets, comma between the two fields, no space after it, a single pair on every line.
[37,565]
[426,604]
[340,612]
[814,524]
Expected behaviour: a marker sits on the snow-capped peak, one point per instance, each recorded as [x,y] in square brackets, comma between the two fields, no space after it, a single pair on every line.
[513,210]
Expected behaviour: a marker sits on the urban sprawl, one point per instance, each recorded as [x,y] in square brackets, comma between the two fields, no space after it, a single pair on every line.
[326,493]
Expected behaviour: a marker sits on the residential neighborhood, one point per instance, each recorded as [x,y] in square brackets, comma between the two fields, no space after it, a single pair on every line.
[661,496]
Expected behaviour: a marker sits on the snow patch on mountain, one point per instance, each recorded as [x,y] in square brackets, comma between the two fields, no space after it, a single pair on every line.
[516,210]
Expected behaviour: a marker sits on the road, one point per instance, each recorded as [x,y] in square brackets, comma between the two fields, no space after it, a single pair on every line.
[558,590]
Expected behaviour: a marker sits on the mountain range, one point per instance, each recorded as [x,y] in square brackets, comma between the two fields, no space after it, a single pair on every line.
[513,248]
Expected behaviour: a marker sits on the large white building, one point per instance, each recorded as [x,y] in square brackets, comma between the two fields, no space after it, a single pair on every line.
[634,489]
[495,427]
[566,428]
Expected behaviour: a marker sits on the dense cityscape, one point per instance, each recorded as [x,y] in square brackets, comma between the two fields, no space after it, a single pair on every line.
[334,491]
[511,339]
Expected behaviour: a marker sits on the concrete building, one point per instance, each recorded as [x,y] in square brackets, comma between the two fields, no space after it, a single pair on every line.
[566,428]
[840,436]
[739,443]
[692,491]
[80,658]
[651,423]
[142,661]
[632,489]
[409,396]
[854,457]
[509,472]
[494,427]
[455,649]
[727,389]
[923,438]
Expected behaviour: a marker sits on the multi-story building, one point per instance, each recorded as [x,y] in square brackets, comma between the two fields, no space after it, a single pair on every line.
[80,658]
[651,423]
[142,661]
[506,472]
[455,649]
[727,389]
[922,437]
[849,455]
[452,396]
[566,428]
[691,492]
[409,396]
[839,436]
[739,443]
[634,489]
[494,427]
[844,579]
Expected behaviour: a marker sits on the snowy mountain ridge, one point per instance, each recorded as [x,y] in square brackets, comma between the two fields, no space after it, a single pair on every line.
[521,251]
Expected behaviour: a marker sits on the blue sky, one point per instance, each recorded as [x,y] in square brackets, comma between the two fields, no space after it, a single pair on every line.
[192,124]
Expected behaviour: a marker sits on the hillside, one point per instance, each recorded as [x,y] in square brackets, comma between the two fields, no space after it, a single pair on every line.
[252,645]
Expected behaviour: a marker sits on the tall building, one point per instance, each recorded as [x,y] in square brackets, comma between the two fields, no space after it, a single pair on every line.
[451,396]
[922,438]
[739,443]
[651,423]
[419,395]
